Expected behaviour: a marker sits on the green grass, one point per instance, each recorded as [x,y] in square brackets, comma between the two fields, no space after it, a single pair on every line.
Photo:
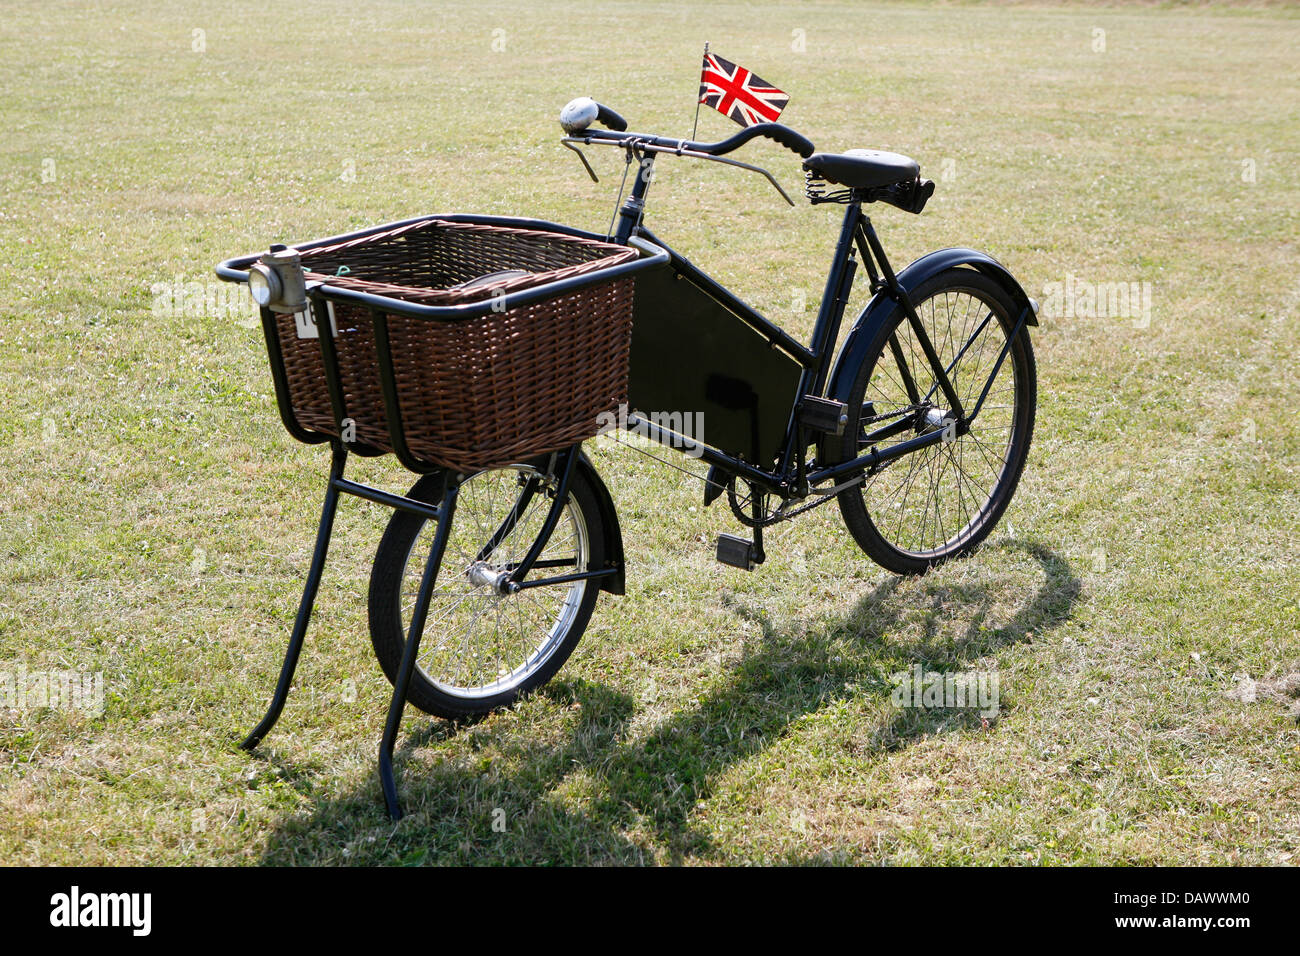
[157,521]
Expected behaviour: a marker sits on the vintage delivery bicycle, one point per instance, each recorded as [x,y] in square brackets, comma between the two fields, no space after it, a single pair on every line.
[481,351]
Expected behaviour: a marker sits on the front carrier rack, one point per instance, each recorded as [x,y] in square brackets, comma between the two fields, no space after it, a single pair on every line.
[456,343]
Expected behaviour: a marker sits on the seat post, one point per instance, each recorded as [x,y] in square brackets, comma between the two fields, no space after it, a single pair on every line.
[839,284]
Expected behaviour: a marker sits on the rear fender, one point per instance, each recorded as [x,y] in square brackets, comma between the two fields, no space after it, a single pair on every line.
[854,350]
[881,306]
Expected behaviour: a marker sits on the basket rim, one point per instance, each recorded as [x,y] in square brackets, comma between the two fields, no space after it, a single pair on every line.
[618,254]
[652,255]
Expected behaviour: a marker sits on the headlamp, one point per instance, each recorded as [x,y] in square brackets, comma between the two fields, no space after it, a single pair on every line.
[276,280]
[264,284]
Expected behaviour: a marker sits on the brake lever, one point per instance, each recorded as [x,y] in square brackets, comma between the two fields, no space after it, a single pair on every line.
[758,169]
[676,151]
[695,154]
[590,172]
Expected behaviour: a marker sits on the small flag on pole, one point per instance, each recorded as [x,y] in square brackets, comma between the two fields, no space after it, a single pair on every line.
[736,92]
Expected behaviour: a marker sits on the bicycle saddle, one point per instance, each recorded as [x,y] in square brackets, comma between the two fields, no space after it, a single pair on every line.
[863,168]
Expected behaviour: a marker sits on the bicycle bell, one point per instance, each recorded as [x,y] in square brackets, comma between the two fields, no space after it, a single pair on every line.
[578,114]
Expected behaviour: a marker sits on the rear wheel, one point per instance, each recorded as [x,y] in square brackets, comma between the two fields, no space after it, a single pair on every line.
[483,649]
[941,501]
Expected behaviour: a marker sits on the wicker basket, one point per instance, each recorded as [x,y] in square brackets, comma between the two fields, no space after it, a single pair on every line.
[480,392]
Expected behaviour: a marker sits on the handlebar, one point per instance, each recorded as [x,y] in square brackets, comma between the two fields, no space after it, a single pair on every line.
[579,114]
[795,142]
[607,117]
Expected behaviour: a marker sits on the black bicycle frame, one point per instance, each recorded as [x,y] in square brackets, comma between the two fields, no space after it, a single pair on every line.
[791,477]
[857,236]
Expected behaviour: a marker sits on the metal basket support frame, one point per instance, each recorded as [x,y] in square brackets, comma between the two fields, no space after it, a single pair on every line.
[562,465]
[443,513]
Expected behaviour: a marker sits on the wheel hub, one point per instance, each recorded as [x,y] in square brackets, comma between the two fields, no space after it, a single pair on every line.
[933,419]
[481,574]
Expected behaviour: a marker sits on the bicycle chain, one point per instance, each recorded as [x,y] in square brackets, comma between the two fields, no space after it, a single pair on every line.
[777,517]
[730,487]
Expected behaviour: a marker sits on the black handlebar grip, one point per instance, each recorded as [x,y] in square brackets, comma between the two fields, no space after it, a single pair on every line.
[789,138]
[609,119]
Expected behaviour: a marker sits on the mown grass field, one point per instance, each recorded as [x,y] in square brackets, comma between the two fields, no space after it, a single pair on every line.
[156,521]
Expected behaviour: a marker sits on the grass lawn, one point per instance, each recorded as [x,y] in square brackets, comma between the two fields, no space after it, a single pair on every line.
[1139,603]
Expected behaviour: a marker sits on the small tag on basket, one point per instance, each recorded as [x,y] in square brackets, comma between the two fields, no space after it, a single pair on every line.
[306,322]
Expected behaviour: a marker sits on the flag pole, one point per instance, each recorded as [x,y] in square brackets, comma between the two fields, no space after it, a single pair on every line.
[696,125]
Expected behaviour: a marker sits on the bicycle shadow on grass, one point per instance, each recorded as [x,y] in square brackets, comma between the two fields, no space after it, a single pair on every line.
[599,795]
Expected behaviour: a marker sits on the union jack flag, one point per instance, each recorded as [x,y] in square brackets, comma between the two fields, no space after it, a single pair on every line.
[734,91]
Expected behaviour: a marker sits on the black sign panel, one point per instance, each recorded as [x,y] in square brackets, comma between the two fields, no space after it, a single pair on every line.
[700,369]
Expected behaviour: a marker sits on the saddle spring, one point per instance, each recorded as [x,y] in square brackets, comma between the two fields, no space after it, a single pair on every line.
[814,187]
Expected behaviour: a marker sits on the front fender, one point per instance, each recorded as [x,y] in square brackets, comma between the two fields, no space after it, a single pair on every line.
[614,583]
[881,306]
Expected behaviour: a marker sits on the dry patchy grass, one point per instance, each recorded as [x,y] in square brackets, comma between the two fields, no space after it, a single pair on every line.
[157,521]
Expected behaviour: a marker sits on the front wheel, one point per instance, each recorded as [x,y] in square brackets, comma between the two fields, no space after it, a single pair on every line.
[941,501]
[483,649]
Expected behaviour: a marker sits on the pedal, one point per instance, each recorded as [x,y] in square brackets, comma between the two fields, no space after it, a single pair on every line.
[737,552]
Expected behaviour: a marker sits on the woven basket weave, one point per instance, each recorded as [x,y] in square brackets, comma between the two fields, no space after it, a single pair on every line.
[477,393]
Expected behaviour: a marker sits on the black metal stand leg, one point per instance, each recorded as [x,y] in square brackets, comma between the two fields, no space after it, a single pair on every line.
[412,650]
[305,605]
